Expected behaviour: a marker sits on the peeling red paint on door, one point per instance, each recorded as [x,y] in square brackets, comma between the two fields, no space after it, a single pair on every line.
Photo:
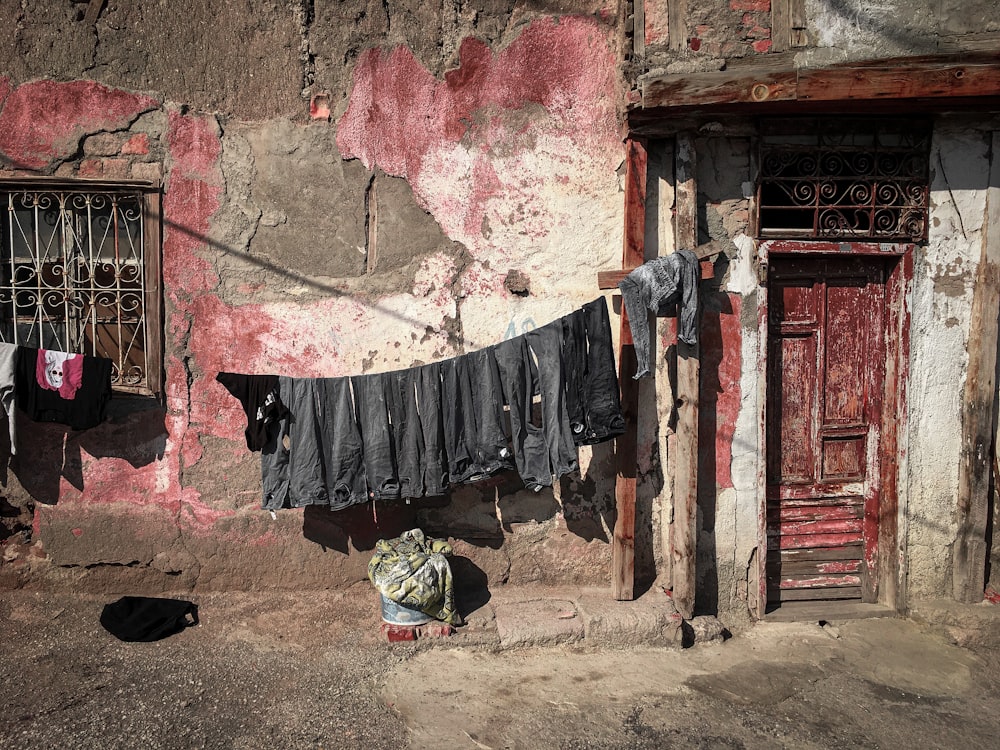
[43,121]
[826,364]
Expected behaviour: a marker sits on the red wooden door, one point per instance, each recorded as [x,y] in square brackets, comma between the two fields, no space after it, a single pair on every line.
[826,364]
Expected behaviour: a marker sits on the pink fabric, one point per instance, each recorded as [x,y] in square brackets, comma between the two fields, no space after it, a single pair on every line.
[59,371]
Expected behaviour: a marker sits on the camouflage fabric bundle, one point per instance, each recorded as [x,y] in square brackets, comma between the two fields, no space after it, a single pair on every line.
[413,571]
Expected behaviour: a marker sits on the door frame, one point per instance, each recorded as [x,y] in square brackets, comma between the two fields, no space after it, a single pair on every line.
[891,548]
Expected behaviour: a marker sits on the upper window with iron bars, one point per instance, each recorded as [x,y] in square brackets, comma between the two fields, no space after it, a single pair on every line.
[844,178]
[80,272]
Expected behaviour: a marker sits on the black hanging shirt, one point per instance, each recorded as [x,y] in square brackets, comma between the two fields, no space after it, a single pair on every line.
[71,389]
[259,396]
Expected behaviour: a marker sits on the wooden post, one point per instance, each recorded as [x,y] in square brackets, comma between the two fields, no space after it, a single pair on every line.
[969,560]
[626,456]
[685,531]
[639,27]
[677,24]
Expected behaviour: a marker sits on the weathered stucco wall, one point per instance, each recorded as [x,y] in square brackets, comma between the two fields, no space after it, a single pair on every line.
[944,275]
[376,236]
[364,186]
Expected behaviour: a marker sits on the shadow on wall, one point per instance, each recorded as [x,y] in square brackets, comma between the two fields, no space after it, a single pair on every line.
[472,586]
[47,453]
[357,526]
[715,304]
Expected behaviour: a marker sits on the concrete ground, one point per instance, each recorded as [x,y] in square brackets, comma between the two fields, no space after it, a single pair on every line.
[533,669]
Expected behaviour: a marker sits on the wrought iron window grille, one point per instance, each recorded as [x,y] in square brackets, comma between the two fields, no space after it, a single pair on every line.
[79,275]
[844,178]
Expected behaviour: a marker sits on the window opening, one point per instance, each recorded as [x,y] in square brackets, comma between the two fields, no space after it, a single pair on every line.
[77,275]
[844,178]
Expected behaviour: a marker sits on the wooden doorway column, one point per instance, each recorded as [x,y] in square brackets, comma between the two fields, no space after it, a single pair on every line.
[685,444]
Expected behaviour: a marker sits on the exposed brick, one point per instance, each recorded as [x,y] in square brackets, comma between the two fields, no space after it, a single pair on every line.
[116,169]
[695,43]
[138,144]
[149,171]
[762,46]
[102,144]
[91,168]
[435,630]
[758,5]
[399,633]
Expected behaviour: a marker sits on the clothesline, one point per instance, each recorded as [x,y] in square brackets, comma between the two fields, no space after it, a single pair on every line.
[419,431]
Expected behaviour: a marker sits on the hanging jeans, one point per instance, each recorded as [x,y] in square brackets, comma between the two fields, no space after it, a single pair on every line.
[372,408]
[601,402]
[545,344]
[315,456]
[458,411]
[491,451]
[433,460]
[574,354]
[408,439]
[343,456]
[655,286]
[519,380]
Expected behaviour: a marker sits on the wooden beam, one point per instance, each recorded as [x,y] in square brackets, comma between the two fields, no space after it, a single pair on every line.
[626,450]
[610,279]
[884,82]
[639,27]
[797,35]
[677,37]
[153,269]
[969,559]
[905,79]
[780,25]
[700,89]
[685,533]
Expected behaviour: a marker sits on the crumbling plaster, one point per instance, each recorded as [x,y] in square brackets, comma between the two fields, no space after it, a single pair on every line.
[282,252]
[862,29]
[944,273]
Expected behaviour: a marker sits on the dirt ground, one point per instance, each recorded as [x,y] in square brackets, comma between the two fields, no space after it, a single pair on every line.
[310,671]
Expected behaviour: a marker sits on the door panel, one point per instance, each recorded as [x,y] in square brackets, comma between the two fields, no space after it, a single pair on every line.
[825,373]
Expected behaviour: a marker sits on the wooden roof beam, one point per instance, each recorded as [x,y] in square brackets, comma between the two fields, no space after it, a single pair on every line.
[899,79]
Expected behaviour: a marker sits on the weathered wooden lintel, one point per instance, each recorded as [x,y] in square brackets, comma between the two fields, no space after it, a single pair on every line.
[970,77]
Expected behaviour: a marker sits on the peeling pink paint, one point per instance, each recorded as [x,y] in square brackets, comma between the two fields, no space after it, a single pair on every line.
[400,118]
[193,194]
[721,343]
[42,122]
